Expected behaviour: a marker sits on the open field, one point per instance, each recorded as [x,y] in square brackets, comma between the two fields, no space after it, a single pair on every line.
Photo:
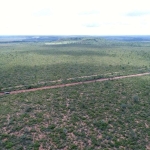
[108,115]
[102,115]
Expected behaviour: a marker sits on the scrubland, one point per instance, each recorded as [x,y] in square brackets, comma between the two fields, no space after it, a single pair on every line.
[101,115]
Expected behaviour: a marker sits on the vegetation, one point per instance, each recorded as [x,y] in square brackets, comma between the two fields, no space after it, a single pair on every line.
[27,65]
[106,115]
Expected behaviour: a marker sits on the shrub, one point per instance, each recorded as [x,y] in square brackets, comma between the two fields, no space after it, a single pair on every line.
[123,106]
[135,98]
[36,145]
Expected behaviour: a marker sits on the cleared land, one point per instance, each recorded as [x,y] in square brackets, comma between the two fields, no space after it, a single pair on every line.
[108,115]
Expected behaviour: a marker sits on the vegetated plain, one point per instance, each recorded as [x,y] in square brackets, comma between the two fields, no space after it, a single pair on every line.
[30,64]
[101,115]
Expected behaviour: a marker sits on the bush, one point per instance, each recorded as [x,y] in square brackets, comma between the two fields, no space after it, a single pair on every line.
[135,98]
[36,145]
[123,106]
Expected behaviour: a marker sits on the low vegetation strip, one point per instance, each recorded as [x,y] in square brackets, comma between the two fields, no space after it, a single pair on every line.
[68,80]
[72,84]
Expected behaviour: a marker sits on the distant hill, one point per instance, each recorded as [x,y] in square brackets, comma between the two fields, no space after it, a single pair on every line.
[74,39]
[129,38]
[28,38]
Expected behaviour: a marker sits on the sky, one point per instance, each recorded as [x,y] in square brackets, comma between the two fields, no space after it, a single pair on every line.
[74,17]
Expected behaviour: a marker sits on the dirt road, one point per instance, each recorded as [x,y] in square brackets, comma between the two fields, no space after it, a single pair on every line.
[77,83]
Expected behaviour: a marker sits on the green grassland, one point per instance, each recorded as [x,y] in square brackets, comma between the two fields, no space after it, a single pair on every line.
[106,115]
[30,63]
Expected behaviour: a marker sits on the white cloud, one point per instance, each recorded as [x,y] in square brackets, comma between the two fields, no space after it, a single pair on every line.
[100,17]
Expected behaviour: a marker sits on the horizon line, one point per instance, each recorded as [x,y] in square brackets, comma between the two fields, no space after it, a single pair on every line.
[73,35]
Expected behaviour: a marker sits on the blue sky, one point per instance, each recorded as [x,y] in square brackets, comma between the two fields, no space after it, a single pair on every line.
[74,17]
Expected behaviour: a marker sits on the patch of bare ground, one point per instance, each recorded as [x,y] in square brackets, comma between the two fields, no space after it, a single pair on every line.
[8,118]
[148,146]
[146,125]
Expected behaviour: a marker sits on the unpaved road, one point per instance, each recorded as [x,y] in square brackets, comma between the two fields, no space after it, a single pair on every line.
[77,83]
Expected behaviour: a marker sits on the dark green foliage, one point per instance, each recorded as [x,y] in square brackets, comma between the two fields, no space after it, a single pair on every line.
[8,145]
[51,127]
[36,145]
[101,124]
[136,98]
[28,109]
[123,106]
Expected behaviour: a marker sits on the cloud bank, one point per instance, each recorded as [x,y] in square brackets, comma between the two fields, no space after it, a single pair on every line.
[74,17]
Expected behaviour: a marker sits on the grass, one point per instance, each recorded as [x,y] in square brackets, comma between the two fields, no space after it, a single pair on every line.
[106,115]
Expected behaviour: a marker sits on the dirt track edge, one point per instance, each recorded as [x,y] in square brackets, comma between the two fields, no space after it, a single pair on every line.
[76,83]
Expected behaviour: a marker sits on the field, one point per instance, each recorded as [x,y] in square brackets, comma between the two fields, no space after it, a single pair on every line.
[107,115]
